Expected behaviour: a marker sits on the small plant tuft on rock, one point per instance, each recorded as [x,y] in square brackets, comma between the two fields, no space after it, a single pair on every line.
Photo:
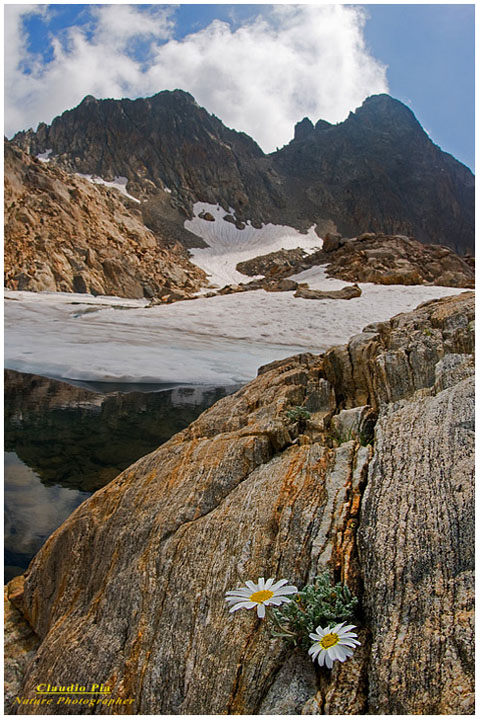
[364,437]
[318,604]
[297,413]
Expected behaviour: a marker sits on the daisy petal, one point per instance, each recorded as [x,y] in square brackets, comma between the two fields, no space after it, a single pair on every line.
[351,643]
[278,584]
[269,583]
[289,590]
[261,610]
[261,583]
[333,652]
[251,585]
[348,628]
[238,593]
[244,604]
[322,657]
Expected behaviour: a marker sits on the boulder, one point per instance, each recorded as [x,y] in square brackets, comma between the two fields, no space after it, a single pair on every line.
[279,262]
[332,241]
[366,236]
[284,285]
[207,216]
[397,260]
[346,293]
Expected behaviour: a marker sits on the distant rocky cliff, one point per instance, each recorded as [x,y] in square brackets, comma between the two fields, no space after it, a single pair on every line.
[376,171]
[62,233]
[376,485]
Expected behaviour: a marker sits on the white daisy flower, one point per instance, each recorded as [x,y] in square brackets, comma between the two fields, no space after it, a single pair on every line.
[333,643]
[260,594]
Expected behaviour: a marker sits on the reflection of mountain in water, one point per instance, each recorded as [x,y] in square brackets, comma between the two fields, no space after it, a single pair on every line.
[64,442]
[74,437]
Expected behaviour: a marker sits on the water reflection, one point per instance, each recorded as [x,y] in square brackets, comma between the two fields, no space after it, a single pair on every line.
[32,512]
[63,442]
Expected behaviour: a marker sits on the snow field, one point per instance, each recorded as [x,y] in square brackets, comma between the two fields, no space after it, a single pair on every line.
[228,245]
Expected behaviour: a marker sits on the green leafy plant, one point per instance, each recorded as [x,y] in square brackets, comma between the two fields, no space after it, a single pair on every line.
[318,604]
[297,413]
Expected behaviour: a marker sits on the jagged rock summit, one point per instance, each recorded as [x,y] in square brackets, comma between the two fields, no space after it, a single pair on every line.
[376,484]
[377,170]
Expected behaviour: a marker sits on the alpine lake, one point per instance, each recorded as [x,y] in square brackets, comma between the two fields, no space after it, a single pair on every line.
[65,441]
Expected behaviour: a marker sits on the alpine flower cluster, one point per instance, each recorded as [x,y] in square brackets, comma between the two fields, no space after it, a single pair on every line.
[330,643]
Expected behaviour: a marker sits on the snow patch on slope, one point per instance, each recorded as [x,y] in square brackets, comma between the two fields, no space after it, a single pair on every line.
[228,245]
[118,183]
[45,156]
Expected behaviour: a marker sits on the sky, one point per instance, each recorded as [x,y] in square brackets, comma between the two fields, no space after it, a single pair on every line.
[259,68]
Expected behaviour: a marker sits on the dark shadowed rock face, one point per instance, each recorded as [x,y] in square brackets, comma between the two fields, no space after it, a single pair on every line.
[130,589]
[377,170]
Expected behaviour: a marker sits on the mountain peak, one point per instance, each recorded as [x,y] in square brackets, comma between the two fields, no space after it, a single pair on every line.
[384,108]
[303,129]
[176,94]
[88,99]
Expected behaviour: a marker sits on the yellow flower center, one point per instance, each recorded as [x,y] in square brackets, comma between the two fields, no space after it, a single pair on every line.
[261,596]
[329,640]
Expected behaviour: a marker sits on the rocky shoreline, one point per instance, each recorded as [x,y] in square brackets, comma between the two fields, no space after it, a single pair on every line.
[375,484]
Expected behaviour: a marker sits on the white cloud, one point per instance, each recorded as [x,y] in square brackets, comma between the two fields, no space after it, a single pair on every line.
[261,77]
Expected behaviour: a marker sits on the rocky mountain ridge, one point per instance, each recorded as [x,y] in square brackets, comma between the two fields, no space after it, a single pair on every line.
[63,233]
[375,484]
[376,171]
